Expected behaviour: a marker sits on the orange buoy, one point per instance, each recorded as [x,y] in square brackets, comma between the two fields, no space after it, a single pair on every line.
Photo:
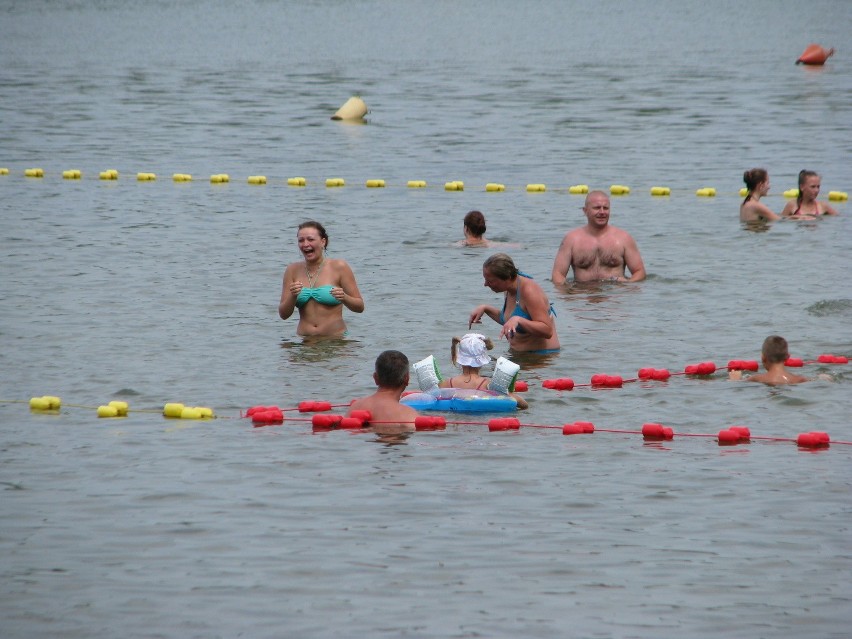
[815,55]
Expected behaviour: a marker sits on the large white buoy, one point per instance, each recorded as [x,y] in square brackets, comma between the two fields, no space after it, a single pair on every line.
[353,109]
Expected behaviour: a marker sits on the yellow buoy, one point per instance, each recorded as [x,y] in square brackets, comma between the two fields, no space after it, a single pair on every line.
[536,188]
[331,182]
[39,403]
[660,190]
[53,401]
[743,192]
[791,194]
[493,187]
[375,184]
[257,179]
[205,412]
[182,177]
[296,181]
[353,109]
[838,196]
[455,185]
[35,173]
[72,174]
[146,177]
[4,171]
[619,189]
[578,189]
[120,407]
[707,191]
[417,184]
[173,409]
[107,411]
[189,412]
[220,178]
[109,174]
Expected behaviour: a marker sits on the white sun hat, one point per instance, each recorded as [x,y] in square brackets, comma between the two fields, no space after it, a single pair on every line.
[472,351]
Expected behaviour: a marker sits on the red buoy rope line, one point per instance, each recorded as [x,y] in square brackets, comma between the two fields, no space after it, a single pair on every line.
[359,420]
[702,369]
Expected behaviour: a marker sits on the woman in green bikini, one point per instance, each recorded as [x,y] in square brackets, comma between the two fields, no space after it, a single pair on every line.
[318,286]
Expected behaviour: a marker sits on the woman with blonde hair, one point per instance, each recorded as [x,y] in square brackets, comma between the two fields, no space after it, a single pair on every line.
[806,206]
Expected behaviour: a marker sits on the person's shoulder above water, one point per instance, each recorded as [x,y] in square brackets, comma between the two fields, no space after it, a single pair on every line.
[752,209]
[806,206]
[598,251]
[774,353]
[391,376]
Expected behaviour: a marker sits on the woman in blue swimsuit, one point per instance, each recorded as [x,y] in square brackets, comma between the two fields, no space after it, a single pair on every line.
[527,316]
[318,286]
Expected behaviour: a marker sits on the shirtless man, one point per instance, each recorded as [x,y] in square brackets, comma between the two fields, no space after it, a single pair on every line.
[598,251]
[391,377]
[774,354]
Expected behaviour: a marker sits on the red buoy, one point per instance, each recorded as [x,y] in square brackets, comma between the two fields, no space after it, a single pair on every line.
[827,358]
[815,55]
[363,415]
[656,431]
[426,422]
[814,439]
[743,431]
[607,381]
[563,383]
[521,386]
[269,416]
[326,421]
[655,374]
[578,428]
[314,407]
[728,437]
[351,422]
[504,423]
[794,362]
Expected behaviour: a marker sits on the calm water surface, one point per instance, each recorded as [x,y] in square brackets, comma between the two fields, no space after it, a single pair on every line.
[159,292]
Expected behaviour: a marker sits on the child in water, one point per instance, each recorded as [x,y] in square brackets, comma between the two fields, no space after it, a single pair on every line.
[774,354]
[469,352]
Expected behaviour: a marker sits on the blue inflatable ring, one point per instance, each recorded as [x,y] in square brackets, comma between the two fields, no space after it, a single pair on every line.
[461,400]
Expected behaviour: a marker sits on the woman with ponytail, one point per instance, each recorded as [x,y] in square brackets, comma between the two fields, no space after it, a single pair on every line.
[806,205]
[752,209]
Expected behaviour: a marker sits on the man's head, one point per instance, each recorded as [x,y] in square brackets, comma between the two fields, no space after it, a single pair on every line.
[775,350]
[391,370]
[597,208]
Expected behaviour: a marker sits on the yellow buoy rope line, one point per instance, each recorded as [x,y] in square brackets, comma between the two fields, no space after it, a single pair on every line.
[52,405]
[112,175]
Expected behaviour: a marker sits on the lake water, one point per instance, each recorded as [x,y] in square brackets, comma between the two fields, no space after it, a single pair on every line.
[156,292]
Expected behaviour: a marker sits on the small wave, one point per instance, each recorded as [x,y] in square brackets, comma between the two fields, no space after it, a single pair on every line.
[825,308]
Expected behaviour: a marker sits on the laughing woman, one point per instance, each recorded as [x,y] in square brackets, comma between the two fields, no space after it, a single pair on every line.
[318,286]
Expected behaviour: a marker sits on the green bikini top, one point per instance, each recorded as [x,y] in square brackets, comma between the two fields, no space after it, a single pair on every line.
[321,294]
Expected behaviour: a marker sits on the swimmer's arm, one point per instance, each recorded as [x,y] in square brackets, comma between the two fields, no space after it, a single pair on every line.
[829,210]
[788,209]
[479,311]
[633,260]
[522,403]
[765,212]
[351,297]
[562,262]
[288,297]
[538,308]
